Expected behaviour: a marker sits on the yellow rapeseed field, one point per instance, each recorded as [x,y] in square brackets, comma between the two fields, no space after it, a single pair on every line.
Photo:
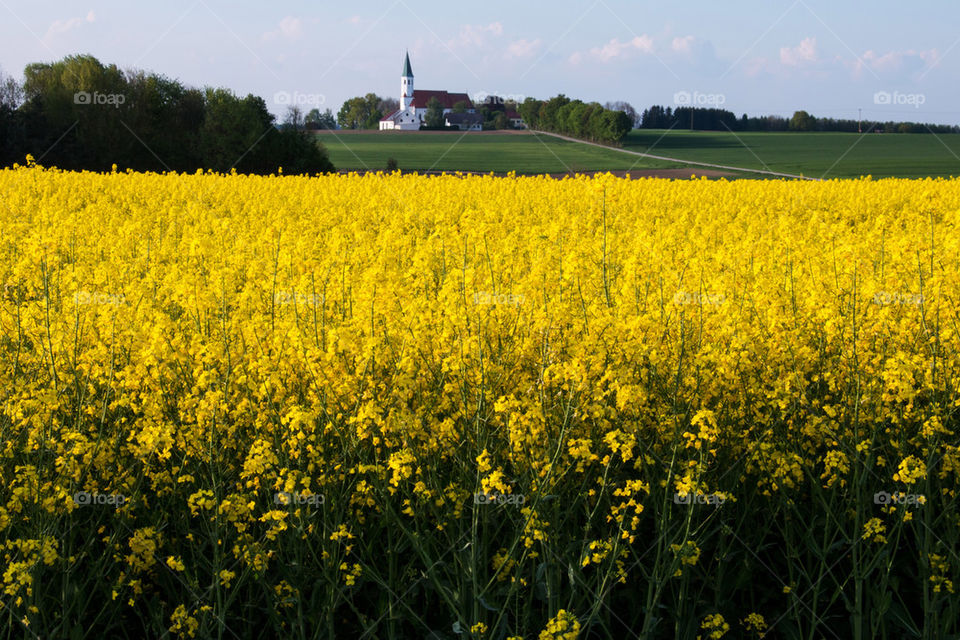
[387,406]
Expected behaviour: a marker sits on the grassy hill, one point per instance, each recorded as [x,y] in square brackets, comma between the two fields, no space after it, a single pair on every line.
[830,155]
[473,151]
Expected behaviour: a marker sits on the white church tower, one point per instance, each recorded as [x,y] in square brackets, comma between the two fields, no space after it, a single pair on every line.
[406,84]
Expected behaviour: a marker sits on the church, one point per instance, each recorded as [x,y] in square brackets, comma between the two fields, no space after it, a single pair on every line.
[413,107]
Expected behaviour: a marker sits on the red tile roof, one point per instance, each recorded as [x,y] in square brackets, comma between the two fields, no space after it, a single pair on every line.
[421,98]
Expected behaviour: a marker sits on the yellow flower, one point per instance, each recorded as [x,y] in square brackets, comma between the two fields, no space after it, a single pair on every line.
[563,626]
[226,577]
[143,545]
[688,553]
[910,470]
[715,626]
[873,529]
[184,625]
[755,622]
[939,570]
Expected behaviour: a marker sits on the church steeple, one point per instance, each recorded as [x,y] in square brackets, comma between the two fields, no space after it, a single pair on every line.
[406,83]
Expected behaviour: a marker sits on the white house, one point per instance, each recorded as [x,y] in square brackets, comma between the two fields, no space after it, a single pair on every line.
[414,103]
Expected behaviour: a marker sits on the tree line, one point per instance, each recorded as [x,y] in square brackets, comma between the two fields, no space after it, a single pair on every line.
[365,112]
[78,113]
[592,121]
[713,119]
[587,121]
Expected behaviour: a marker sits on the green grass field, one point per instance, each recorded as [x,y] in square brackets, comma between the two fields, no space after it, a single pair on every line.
[443,151]
[830,155]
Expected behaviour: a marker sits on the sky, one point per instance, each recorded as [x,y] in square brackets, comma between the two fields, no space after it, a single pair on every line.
[893,61]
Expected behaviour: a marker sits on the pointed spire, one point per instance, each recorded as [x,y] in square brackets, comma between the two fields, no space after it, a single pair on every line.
[407,71]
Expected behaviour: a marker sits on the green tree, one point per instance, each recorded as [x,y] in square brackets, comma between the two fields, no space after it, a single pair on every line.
[293,118]
[81,114]
[434,116]
[386,106]
[362,112]
[317,120]
[548,112]
[232,131]
[802,121]
[167,118]
[11,92]
[614,127]
[460,107]
[627,108]
[530,112]
[75,108]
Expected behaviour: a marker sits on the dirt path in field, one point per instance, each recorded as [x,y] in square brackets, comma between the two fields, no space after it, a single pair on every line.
[678,160]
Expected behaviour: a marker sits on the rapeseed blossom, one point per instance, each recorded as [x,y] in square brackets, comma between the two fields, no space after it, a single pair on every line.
[251,394]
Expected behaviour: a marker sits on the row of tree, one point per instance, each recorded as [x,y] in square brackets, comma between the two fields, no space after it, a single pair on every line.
[575,118]
[494,110]
[365,112]
[712,119]
[78,113]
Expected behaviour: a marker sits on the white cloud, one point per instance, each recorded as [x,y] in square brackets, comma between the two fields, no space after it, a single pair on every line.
[523,48]
[63,26]
[806,59]
[476,35]
[908,61]
[616,49]
[800,55]
[290,28]
[683,45]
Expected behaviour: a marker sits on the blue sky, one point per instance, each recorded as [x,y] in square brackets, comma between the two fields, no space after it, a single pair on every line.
[892,60]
